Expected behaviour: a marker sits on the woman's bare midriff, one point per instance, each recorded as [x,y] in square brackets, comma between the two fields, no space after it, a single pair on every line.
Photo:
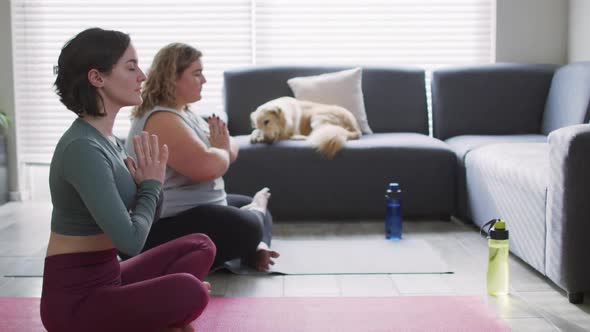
[66,244]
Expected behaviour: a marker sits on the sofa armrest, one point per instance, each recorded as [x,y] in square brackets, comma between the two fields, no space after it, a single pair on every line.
[568,207]
[499,99]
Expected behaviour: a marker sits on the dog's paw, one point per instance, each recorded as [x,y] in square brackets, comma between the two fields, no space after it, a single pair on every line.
[298,137]
[256,136]
[328,152]
[255,140]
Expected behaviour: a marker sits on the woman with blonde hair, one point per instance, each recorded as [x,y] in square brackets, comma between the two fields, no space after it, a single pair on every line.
[201,152]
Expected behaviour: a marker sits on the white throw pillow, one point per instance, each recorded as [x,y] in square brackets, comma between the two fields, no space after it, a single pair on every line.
[341,88]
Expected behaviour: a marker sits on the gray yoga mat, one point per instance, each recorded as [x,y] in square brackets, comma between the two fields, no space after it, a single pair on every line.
[350,256]
[337,255]
[21,266]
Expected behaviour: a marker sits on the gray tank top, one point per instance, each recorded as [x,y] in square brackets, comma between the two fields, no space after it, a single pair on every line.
[180,192]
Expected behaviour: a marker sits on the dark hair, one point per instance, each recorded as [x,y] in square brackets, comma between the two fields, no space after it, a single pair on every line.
[93,48]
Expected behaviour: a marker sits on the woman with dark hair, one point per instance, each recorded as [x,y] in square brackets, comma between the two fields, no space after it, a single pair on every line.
[104,201]
[201,152]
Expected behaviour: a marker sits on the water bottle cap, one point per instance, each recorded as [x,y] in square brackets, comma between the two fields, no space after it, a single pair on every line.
[500,225]
[499,231]
[394,186]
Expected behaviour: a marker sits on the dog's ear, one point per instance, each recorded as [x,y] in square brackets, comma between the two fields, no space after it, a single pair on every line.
[276,110]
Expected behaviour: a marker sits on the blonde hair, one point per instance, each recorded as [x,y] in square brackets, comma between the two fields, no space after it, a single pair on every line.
[160,87]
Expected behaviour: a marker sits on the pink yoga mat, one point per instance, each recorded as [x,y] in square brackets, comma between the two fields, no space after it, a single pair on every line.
[342,314]
[402,313]
[20,314]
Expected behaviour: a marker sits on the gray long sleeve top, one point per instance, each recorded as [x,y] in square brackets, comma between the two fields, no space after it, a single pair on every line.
[93,192]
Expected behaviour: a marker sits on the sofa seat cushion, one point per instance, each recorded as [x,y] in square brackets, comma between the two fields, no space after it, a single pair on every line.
[509,181]
[352,185]
[463,144]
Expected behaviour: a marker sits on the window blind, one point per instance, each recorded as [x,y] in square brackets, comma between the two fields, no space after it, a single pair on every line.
[221,29]
[424,33]
[238,33]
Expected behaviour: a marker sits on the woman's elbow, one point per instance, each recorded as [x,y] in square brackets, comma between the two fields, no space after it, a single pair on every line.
[209,173]
[204,177]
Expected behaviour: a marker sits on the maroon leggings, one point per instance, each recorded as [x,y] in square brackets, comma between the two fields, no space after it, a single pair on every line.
[159,288]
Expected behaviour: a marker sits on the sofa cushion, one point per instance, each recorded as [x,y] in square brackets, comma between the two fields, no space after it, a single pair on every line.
[352,185]
[498,99]
[509,181]
[395,98]
[342,88]
[568,102]
[463,144]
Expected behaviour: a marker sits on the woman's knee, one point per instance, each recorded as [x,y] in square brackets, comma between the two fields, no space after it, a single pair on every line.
[191,295]
[205,246]
[200,242]
[247,237]
[252,229]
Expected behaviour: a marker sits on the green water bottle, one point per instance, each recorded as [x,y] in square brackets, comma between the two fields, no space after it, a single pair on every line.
[498,273]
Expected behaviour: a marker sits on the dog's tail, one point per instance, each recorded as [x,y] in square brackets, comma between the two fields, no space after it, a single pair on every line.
[328,139]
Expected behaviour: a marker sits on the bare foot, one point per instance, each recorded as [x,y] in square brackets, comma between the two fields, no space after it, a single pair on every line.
[188,328]
[207,285]
[259,201]
[264,257]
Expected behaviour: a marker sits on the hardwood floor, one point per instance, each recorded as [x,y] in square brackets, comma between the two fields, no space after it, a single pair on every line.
[534,303]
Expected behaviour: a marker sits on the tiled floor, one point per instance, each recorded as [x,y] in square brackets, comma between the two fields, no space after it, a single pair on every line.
[535,304]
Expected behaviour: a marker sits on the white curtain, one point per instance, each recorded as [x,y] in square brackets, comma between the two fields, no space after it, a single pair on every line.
[238,33]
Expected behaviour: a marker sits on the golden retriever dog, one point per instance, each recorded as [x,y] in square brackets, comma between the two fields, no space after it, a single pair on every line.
[326,127]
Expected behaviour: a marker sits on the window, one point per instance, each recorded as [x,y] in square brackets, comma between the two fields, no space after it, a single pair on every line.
[423,33]
[237,33]
[221,29]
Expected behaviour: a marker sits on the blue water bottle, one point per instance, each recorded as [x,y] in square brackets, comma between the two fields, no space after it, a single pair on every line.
[393,212]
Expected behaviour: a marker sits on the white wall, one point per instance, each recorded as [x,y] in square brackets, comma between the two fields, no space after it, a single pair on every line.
[7,91]
[532,31]
[579,31]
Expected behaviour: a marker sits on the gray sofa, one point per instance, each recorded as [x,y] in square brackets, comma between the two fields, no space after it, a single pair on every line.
[522,141]
[510,141]
[352,185]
